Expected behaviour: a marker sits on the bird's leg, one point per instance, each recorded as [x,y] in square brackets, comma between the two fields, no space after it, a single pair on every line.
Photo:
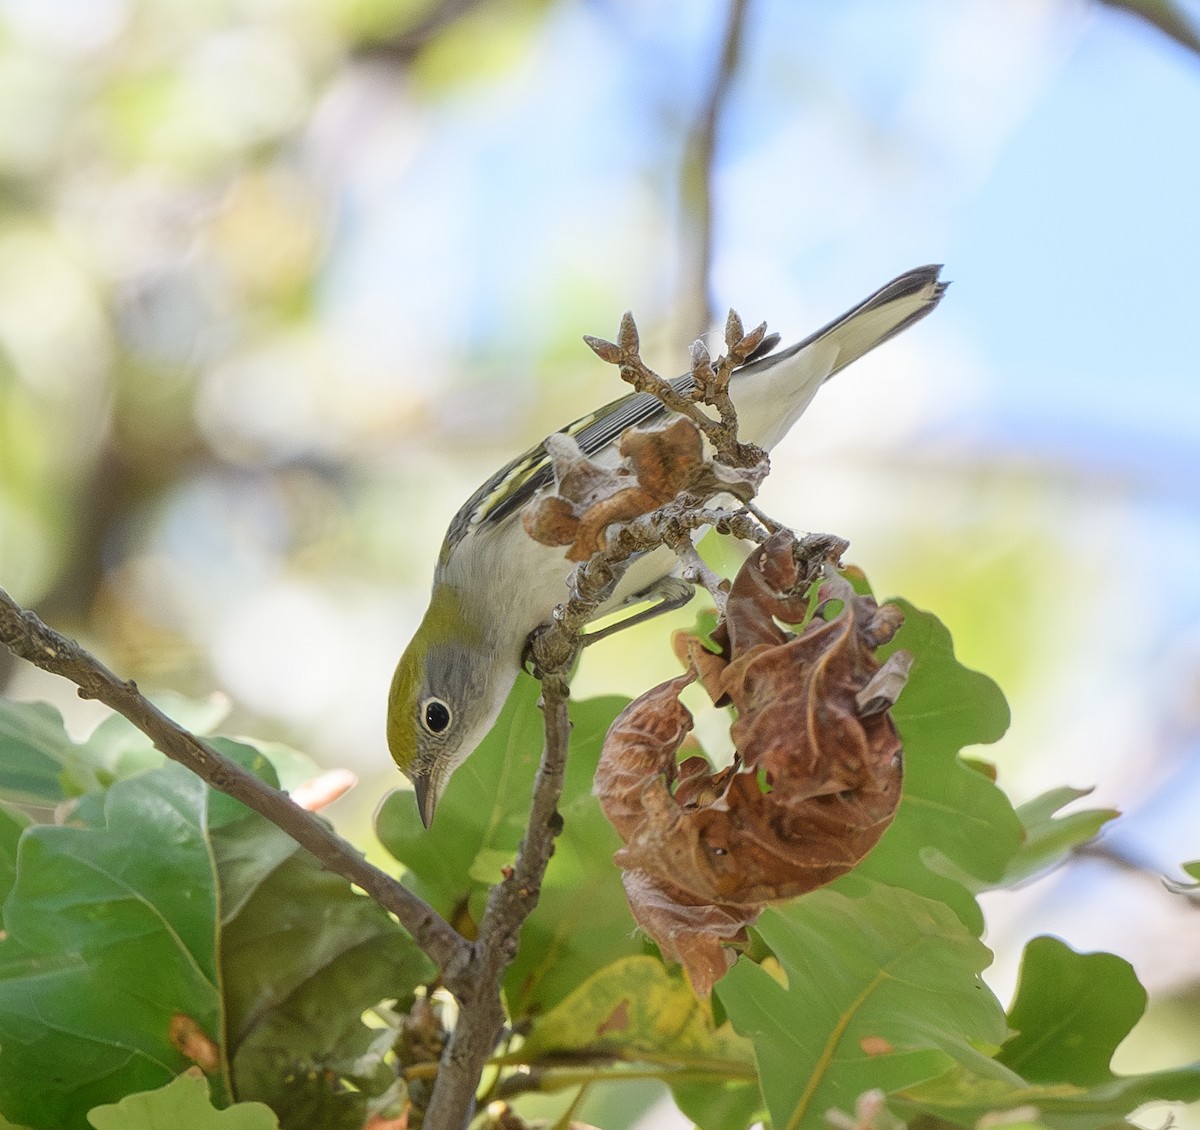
[670,592]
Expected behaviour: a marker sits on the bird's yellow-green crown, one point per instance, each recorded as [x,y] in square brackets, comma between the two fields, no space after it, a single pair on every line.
[443,623]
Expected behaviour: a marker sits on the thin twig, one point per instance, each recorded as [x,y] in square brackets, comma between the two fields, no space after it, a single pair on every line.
[27,637]
[697,570]
[747,522]
[549,1078]
[710,384]
[481,1018]
[769,522]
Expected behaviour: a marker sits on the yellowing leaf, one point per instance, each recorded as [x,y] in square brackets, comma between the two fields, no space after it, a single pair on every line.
[636,1009]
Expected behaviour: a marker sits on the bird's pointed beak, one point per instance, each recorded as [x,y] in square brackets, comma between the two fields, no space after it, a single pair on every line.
[428,789]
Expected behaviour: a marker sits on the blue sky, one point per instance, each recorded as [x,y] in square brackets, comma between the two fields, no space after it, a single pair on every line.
[1079,258]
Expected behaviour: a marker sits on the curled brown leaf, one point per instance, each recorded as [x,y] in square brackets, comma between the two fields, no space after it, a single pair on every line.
[657,465]
[816,778]
[704,938]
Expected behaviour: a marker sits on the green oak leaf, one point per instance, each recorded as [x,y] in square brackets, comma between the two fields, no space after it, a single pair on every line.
[12,823]
[730,1104]
[40,764]
[301,1053]
[35,753]
[883,990]
[298,922]
[183,1104]
[1047,839]
[302,957]
[129,905]
[157,883]
[117,749]
[963,1098]
[954,828]
[1070,1012]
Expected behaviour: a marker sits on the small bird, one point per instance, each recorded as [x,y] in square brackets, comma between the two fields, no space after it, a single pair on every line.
[494,584]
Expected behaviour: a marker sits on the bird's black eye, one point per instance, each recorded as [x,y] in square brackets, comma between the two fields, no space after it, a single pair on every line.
[435,715]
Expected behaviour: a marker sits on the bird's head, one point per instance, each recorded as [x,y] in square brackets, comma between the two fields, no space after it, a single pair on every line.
[447,690]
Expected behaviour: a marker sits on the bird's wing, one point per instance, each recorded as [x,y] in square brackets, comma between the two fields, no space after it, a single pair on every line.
[516,483]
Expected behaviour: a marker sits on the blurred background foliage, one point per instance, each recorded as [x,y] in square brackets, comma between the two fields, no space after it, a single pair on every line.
[282,280]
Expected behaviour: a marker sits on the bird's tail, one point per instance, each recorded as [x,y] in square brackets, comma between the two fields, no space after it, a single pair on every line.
[891,309]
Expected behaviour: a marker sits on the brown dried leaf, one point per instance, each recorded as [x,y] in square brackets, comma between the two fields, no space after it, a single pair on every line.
[558,519]
[704,939]
[657,465]
[553,521]
[576,476]
[764,591]
[817,776]
[665,460]
[709,667]
[648,731]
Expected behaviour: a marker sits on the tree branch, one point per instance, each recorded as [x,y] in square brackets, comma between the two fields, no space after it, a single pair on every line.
[710,384]
[27,637]
[696,189]
[481,1017]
